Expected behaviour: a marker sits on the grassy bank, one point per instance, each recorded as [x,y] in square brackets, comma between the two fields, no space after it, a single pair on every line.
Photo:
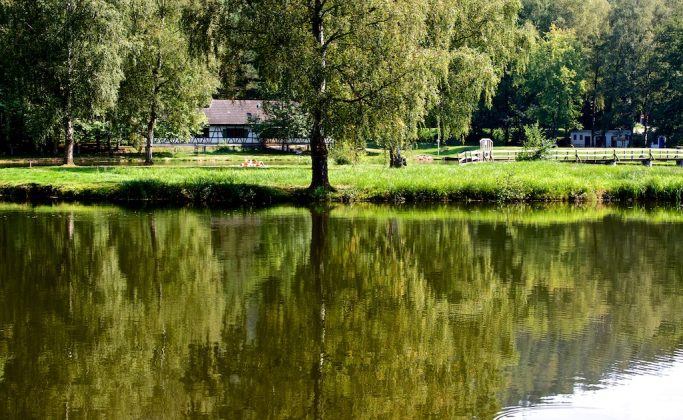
[517,182]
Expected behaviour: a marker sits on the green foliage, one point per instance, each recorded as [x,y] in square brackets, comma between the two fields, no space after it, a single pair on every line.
[536,144]
[283,121]
[64,60]
[427,135]
[344,153]
[164,85]
[667,58]
[555,80]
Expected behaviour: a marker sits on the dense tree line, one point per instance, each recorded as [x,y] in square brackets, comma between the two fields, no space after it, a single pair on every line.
[125,71]
[103,70]
[596,65]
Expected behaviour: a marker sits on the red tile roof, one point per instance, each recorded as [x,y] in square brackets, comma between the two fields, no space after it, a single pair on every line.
[229,112]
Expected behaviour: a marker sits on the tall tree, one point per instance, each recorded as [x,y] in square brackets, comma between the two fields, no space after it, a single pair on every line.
[373,68]
[484,39]
[667,59]
[336,58]
[164,86]
[555,80]
[627,50]
[69,53]
[468,47]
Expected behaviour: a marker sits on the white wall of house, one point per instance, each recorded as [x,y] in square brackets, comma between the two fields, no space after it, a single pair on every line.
[618,138]
[582,138]
[229,134]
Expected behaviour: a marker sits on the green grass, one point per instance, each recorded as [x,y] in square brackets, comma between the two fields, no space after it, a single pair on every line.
[511,182]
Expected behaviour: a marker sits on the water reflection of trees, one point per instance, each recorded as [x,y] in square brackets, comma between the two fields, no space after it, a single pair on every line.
[347,314]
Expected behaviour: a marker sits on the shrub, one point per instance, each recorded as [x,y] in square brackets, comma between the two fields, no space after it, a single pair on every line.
[344,153]
[536,145]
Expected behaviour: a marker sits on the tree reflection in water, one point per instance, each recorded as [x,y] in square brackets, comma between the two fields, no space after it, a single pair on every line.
[350,313]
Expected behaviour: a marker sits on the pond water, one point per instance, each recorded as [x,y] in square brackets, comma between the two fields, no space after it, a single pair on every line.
[357,312]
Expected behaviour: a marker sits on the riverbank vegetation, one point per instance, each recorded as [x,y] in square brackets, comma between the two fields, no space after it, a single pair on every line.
[518,182]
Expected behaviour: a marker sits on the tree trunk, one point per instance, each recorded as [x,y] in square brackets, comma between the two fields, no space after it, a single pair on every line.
[594,103]
[68,140]
[67,96]
[318,251]
[319,176]
[151,124]
[395,158]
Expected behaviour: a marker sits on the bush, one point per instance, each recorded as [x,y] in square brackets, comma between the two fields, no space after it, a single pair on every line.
[536,145]
[344,153]
[498,136]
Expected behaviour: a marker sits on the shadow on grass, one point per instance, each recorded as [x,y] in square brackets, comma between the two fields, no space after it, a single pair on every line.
[201,192]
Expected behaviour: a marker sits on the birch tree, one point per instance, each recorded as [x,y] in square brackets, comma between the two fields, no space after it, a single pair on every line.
[372,68]
[164,87]
[69,58]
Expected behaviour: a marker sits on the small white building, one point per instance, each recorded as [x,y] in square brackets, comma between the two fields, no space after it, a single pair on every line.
[659,142]
[612,138]
[582,138]
[618,138]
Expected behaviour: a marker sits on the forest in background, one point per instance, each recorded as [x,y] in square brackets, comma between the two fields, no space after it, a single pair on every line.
[116,72]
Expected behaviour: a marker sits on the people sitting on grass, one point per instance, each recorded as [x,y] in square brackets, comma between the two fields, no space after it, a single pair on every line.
[251,163]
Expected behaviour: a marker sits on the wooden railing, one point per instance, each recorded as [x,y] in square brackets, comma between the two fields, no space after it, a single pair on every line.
[580,155]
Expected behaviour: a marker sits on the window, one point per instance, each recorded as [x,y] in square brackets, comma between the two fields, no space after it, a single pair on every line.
[235,133]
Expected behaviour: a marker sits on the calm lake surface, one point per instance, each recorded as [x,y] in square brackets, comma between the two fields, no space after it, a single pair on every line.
[359,312]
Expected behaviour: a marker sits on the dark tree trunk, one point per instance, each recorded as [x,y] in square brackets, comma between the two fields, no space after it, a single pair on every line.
[151,124]
[68,100]
[68,121]
[396,160]
[319,176]
[594,102]
[318,250]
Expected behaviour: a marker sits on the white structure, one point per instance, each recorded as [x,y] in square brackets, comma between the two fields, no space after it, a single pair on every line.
[618,138]
[612,138]
[486,146]
[231,122]
[659,143]
[582,138]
